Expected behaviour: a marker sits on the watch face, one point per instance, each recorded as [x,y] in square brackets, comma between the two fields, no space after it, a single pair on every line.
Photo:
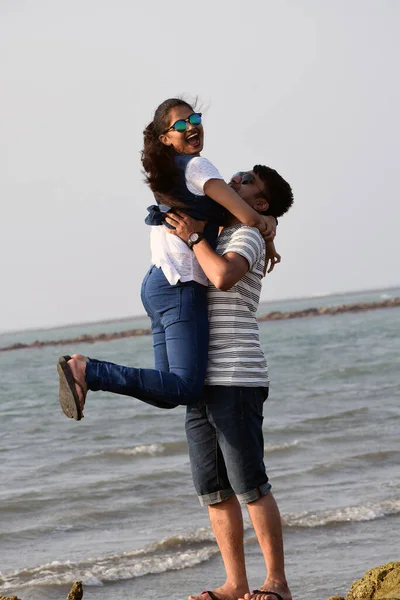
[193,237]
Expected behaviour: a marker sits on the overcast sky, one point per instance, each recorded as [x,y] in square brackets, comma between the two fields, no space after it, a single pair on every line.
[309,87]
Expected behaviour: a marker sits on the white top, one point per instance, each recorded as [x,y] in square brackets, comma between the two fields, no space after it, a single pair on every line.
[168,251]
[235,356]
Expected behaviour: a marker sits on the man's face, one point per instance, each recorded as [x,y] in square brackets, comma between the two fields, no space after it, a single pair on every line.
[251,189]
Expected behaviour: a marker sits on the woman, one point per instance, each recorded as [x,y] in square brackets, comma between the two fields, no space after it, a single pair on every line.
[174,291]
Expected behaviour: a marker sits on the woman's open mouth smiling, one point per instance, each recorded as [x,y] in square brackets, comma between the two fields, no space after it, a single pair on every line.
[193,139]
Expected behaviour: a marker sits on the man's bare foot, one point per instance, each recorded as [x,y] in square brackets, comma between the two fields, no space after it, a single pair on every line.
[225,592]
[270,585]
[78,370]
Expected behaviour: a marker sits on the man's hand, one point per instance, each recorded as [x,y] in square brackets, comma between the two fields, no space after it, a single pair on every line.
[184,225]
[269,232]
[272,257]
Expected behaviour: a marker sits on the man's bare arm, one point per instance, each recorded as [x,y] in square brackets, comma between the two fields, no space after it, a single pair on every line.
[223,271]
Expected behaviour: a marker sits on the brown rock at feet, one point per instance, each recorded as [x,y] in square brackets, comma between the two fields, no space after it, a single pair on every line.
[380,583]
[76,592]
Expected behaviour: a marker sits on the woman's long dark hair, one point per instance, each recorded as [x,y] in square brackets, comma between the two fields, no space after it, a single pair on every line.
[158,163]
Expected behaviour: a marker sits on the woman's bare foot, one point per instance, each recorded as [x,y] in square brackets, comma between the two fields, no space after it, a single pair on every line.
[78,370]
[81,357]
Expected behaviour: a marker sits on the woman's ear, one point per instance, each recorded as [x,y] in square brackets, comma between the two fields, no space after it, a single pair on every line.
[164,139]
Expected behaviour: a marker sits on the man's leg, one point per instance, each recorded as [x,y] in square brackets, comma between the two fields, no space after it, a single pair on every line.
[214,490]
[237,416]
[227,525]
[266,520]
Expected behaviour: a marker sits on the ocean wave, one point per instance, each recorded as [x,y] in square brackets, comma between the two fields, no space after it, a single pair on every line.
[155,449]
[175,552]
[330,420]
[345,414]
[362,512]
[170,554]
[280,447]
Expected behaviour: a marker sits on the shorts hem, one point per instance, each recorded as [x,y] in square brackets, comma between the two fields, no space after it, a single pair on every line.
[254,494]
[215,497]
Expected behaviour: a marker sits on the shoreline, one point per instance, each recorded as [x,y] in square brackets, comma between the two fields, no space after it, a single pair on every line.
[271,316]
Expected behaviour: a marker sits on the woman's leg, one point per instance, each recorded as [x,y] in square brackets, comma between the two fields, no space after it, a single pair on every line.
[180,312]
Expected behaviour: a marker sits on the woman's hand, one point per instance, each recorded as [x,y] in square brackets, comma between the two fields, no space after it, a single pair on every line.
[269,232]
[183,224]
[272,258]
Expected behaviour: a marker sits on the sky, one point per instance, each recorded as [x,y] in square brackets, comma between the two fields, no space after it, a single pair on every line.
[309,88]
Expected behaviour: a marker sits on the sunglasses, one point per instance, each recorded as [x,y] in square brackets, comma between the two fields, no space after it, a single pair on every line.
[248,177]
[245,177]
[181,125]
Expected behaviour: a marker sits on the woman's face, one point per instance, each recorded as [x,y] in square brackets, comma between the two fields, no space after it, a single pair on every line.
[190,141]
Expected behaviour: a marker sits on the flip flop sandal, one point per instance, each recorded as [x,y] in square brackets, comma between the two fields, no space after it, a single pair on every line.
[209,596]
[69,399]
[266,593]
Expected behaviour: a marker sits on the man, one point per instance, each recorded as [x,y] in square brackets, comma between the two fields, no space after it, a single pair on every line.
[224,429]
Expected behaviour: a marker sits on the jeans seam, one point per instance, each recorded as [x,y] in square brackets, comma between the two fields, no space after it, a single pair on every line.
[215,441]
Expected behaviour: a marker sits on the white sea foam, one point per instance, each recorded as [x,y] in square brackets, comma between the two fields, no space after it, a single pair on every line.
[279,447]
[170,554]
[357,513]
[142,450]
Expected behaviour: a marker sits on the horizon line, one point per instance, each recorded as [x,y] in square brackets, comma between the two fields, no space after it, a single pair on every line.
[143,315]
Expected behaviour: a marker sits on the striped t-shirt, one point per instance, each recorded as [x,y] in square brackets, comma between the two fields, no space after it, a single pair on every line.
[235,357]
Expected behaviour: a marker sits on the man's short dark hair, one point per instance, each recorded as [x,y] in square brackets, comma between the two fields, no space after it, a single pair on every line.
[279,192]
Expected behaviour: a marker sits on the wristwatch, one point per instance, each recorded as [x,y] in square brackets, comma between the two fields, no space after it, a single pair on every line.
[194,238]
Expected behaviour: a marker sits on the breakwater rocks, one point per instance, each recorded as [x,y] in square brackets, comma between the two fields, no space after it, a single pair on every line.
[331,310]
[380,583]
[272,316]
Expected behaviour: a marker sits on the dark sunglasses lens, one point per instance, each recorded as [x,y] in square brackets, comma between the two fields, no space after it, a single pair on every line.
[195,119]
[247,178]
[180,125]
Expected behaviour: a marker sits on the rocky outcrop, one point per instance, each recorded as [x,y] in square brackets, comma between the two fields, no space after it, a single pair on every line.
[271,316]
[330,310]
[75,593]
[380,583]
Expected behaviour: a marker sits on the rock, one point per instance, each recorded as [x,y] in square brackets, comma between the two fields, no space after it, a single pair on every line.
[9,598]
[380,583]
[336,598]
[76,592]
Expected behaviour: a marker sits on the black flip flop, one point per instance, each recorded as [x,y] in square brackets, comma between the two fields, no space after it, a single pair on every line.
[265,592]
[69,399]
[211,595]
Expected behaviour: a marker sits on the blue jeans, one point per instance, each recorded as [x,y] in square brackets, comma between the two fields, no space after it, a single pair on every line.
[179,323]
[226,444]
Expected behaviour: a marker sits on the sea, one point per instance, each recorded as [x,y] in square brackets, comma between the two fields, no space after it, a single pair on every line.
[109,500]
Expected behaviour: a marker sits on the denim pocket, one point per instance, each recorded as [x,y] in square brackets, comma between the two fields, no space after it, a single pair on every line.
[253,402]
[170,306]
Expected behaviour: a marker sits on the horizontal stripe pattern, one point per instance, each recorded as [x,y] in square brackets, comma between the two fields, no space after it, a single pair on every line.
[235,356]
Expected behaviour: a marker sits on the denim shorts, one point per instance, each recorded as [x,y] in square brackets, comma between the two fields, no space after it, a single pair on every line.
[226,444]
